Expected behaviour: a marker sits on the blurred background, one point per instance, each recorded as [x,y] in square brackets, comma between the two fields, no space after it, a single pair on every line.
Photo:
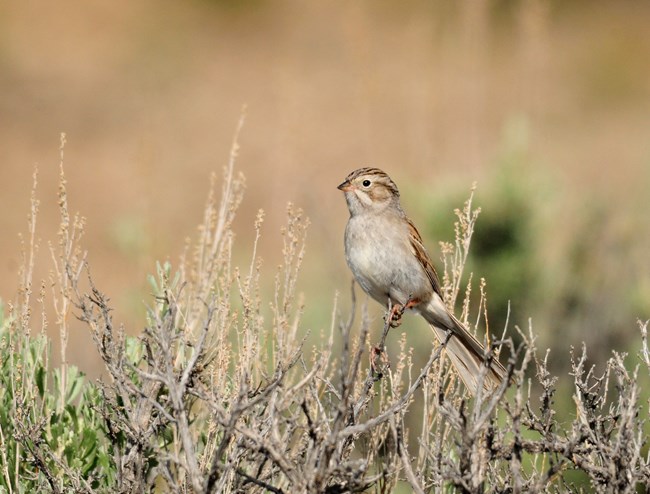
[545,104]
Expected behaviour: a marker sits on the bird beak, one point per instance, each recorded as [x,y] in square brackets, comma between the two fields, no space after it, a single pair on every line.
[345,186]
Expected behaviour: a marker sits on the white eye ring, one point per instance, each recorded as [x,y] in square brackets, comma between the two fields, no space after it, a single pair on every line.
[366,183]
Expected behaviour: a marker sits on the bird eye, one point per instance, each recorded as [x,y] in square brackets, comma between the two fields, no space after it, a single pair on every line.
[366,183]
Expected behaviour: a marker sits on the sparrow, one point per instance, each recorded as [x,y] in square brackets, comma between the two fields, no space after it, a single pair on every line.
[386,255]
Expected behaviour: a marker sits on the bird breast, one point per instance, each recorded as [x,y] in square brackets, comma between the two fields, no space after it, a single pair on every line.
[379,255]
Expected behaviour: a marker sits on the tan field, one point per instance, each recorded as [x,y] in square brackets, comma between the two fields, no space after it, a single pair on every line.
[439,95]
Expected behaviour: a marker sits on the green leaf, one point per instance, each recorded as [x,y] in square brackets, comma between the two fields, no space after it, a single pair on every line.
[74,383]
[40,380]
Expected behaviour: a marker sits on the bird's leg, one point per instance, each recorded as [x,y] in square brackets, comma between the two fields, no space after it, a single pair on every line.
[394,316]
[395,312]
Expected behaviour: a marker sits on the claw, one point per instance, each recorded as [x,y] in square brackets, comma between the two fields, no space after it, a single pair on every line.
[395,315]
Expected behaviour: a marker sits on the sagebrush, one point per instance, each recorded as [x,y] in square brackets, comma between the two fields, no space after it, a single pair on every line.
[215,397]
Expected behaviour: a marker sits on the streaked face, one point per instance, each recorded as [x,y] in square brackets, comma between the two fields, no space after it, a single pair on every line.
[369,189]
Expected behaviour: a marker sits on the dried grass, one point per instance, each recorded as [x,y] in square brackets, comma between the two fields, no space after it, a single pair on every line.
[214,397]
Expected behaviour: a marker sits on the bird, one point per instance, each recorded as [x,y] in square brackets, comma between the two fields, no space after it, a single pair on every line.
[387,257]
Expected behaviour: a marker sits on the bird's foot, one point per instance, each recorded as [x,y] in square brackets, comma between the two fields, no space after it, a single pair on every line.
[394,316]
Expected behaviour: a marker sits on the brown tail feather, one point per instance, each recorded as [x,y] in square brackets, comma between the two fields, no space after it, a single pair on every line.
[468,358]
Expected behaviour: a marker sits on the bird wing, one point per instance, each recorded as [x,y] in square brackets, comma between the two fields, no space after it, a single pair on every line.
[423,257]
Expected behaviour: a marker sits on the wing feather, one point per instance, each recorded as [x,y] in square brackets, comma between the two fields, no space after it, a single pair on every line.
[423,257]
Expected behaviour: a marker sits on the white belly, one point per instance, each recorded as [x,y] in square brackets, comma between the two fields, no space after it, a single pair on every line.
[382,262]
